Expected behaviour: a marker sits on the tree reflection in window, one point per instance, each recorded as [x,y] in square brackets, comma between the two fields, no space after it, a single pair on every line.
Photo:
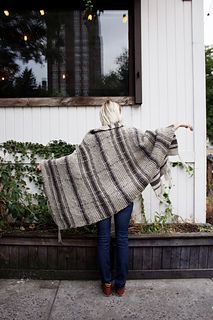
[62,54]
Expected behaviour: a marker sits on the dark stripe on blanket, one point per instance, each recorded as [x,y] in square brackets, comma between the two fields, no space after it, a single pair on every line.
[64,199]
[132,173]
[108,203]
[174,144]
[163,142]
[133,160]
[174,141]
[125,196]
[50,204]
[140,175]
[78,197]
[147,153]
[58,191]
[89,183]
[155,180]
[165,162]
[150,136]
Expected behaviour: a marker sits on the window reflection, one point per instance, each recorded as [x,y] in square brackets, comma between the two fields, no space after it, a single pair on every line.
[63,54]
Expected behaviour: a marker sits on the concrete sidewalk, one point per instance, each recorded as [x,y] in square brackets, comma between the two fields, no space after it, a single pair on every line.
[173,299]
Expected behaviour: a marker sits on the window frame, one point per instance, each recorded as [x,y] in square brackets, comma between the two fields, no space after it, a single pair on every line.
[135,79]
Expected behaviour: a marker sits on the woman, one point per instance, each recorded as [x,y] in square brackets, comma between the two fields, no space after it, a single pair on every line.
[108,170]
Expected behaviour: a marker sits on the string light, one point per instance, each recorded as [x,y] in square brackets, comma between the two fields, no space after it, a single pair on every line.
[25,38]
[6,12]
[63,76]
[124,19]
[89,17]
[42,13]
[2,78]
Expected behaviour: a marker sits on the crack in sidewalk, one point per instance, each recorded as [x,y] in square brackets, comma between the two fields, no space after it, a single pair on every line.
[56,292]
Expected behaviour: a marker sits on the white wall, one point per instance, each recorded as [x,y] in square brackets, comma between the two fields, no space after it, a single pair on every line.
[173,91]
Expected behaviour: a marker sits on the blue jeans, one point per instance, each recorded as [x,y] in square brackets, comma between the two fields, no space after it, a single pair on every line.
[122,219]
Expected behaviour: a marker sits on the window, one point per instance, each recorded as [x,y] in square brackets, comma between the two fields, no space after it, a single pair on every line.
[68,52]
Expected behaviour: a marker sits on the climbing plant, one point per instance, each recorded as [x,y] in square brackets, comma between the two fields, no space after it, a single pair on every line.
[22,200]
[188,169]
[160,223]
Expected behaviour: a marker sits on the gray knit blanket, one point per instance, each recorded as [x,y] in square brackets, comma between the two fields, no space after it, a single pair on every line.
[109,169]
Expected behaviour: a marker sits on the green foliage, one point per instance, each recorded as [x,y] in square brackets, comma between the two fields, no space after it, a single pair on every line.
[174,227]
[209,91]
[25,85]
[160,223]
[88,7]
[13,47]
[116,82]
[19,205]
[44,43]
[162,220]
[189,169]
[144,220]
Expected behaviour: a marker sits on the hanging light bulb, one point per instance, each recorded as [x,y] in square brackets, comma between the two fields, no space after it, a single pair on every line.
[6,12]
[89,17]
[2,78]
[124,19]
[42,13]
[25,38]
[63,76]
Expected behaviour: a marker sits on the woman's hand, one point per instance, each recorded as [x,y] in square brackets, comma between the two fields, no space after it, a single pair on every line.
[184,125]
[38,168]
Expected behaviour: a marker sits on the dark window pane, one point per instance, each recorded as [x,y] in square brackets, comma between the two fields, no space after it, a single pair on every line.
[64,54]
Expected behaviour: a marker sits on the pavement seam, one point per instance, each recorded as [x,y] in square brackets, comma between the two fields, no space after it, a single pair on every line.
[56,292]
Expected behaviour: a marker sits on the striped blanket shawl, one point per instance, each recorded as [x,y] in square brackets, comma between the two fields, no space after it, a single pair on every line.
[108,170]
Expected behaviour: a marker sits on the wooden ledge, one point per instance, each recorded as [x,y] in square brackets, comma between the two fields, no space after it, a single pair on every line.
[63,101]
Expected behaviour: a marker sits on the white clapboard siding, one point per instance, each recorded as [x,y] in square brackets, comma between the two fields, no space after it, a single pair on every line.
[173,90]
[199,112]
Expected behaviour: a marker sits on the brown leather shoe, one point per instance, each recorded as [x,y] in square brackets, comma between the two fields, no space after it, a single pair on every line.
[107,289]
[120,291]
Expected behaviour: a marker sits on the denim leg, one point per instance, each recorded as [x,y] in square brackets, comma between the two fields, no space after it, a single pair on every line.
[104,229]
[122,219]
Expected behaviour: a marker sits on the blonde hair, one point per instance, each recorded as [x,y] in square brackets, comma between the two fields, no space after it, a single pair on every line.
[110,113]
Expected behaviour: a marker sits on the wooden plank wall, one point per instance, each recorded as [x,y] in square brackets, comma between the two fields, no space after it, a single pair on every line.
[149,257]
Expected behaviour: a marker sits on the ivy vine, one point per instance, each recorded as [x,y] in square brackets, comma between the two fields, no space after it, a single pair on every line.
[160,223]
[22,200]
[188,169]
